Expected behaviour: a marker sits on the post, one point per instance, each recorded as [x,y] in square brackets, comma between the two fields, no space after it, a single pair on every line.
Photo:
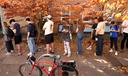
[2,18]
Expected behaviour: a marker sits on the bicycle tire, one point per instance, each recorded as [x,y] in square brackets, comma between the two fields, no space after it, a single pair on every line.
[59,71]
[24,70]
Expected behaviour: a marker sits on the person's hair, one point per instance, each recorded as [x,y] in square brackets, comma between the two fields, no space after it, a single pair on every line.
[12,20]
[112,22]
[66,22]
[28,19]
[100,19]
[75,22]
[5,24]
[79,22]
[95,18]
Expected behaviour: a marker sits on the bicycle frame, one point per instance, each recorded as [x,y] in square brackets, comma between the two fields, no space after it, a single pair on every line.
[50,69]
[43,69]
[30,61]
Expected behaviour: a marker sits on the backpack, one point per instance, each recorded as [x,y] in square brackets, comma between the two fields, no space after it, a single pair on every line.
[10,33]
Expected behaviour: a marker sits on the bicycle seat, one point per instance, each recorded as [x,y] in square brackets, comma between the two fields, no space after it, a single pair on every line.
[50,56]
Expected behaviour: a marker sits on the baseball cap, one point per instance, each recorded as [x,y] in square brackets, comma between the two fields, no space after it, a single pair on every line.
[49,16]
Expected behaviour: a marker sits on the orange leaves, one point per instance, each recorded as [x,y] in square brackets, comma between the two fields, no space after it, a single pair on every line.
[2,1]
[34,7]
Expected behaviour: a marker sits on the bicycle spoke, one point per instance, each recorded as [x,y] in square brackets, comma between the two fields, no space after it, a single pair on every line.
[27,70]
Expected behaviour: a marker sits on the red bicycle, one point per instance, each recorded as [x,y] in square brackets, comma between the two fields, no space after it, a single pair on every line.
[48,65]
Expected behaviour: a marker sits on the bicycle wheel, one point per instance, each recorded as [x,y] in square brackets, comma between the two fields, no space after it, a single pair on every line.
[26,70]
[64,71]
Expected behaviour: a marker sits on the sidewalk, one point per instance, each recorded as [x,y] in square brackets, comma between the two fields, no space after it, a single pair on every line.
[87,66]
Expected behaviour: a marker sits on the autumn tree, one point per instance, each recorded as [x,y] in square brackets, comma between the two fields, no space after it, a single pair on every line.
[109,7]
[35,9]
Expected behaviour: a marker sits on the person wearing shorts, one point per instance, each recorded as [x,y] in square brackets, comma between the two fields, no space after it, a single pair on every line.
[49,39]
[48,28]
[93,34]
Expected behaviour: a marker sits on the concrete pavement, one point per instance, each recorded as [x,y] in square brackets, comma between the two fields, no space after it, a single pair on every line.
[87,66]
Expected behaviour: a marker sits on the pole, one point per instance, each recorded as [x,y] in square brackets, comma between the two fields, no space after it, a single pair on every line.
[2,19]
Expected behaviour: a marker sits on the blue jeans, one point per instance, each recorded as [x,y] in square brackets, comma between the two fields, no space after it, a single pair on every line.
[79,42]
[99,45]
[31,44]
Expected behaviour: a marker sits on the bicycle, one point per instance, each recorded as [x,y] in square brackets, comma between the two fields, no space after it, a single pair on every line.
[42,67]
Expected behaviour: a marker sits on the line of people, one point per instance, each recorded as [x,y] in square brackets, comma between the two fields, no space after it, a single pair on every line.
[97,36]
[12,31]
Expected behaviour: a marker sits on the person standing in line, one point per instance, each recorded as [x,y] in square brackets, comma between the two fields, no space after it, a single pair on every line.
[125,34]
[49,37]
[31,34]
[8,36]
[114,29]
[66,39]
[99,36]
[59,29]
[79,31]
[93,33]
[15,26]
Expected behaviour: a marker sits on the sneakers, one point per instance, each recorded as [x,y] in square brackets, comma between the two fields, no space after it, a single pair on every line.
[12,51]
[95,54]
[30,54]
[116,53]
[89,48]
[19,54]
[8,53]
[68,55]
[110,50]
[65,54]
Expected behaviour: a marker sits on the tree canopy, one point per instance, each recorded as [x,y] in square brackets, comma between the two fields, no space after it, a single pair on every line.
[35,8]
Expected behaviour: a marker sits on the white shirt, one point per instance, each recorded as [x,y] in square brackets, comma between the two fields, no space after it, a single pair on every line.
[12,25]
[125,23]
[48,27]
[100,28]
